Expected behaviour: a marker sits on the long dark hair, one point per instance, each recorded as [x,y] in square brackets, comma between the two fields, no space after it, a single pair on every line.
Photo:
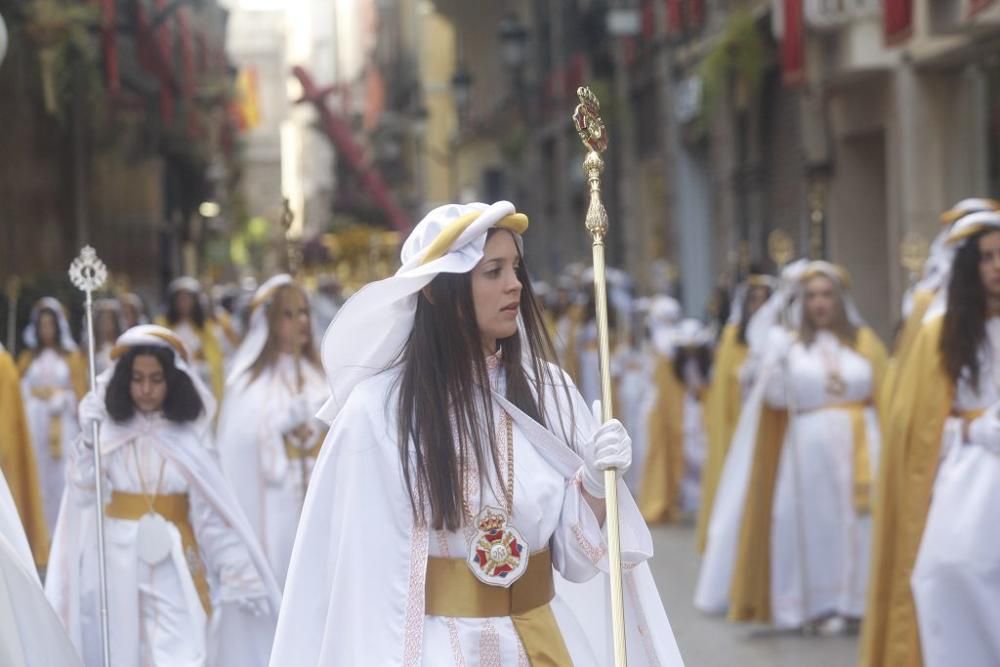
[197,312]
[964,326]
[182,403]
[444,393]
[702,356]
[57,343]
[746,315]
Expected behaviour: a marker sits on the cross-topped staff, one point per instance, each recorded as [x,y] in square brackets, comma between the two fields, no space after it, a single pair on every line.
[88,274]
[594,136]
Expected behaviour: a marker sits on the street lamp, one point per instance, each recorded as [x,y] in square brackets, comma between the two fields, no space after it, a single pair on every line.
[513,38]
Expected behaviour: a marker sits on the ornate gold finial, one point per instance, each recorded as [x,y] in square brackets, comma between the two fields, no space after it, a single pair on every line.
[780,247]
[593,134]
[913,252]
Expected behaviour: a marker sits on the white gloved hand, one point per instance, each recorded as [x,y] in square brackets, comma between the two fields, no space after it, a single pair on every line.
[255,606]
[299,412]
[92,409]
[985,429]
[609,449]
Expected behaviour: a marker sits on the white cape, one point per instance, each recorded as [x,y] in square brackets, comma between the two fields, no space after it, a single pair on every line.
[236,638]
[715,576]
[30,632]
[354,594]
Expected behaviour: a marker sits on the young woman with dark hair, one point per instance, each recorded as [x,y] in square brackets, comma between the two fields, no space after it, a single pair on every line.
[934,597]
[268,434]
[109,324]
[187,582]
[200,333]
[53,379]
[461,472]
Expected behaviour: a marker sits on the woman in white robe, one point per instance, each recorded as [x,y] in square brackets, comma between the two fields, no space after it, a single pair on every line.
[53,376]
[795,489]
[956,576]
[188,584]
[268,435]
[377,578]
[30,632]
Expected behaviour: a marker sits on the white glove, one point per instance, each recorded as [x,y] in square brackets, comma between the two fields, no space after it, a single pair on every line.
[610,449]
[985,429]
[92,409]
[299,412]
[255,606]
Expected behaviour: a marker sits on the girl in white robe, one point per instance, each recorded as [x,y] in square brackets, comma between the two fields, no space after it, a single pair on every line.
[187,583]
[380,578]
[30,632]
[268,435]
[956,577]
[53,376]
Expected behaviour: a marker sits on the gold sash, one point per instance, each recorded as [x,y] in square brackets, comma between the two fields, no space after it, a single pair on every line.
[294,452]
[175,508]
[55,422]
[452,591]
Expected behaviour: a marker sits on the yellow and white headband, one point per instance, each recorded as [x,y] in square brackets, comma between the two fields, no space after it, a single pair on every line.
[967,206]
[971,224]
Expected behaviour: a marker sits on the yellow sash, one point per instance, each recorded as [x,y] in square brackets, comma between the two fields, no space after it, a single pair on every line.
[175,508]
[861,454]
[55,422]
[452,591]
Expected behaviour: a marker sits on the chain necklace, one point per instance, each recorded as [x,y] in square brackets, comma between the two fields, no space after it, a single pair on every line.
[498,554]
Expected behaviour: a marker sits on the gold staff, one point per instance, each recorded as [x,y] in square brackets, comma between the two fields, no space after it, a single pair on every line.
[591,129]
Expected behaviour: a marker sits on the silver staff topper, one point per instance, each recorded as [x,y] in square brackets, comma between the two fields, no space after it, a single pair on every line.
[88,274]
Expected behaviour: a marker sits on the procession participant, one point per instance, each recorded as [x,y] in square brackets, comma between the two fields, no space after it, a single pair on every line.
[571,317]
[190,585]
[692,368]
[187,315]
[53,379]
[727,389]
[461,474]
[17,461]
[636,390]
[133,310]
[31,634]
[663,464]
[931,601]
[221,304]
[803,552]
[268,436]
[735,574]
[108,326]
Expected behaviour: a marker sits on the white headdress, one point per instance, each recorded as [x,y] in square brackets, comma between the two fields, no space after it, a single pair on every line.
[971,224]
[842,279]
[184,284]
[66,341]
[152,335]
[743,289]
[257,333]
[371,329]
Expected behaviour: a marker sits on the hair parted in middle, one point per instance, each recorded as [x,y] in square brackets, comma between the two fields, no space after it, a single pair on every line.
[445,409]
[842,327]
[182,402]
[275,309]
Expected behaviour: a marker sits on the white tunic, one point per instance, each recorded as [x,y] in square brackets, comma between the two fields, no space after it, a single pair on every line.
[819,542]
[49,372]
[355,590]
[251,441]
[155,612]
[956,578]
[30,632]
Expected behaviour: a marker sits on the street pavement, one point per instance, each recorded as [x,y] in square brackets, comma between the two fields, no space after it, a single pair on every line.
[713,642]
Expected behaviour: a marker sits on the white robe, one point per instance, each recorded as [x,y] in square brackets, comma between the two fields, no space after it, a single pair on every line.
[830,519]
[156,617]
[251,445]
[355,591]
[956,578]
[637,396]
[30,632]
[50,370]
[819,542]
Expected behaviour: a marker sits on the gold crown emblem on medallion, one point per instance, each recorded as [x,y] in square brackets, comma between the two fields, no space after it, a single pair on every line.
[492,521]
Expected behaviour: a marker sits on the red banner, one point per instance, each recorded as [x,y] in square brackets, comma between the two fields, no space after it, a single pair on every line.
[897,16]
[976,6]
[793,44]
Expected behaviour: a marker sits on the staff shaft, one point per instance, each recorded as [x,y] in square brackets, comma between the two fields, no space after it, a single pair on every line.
[99,490]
